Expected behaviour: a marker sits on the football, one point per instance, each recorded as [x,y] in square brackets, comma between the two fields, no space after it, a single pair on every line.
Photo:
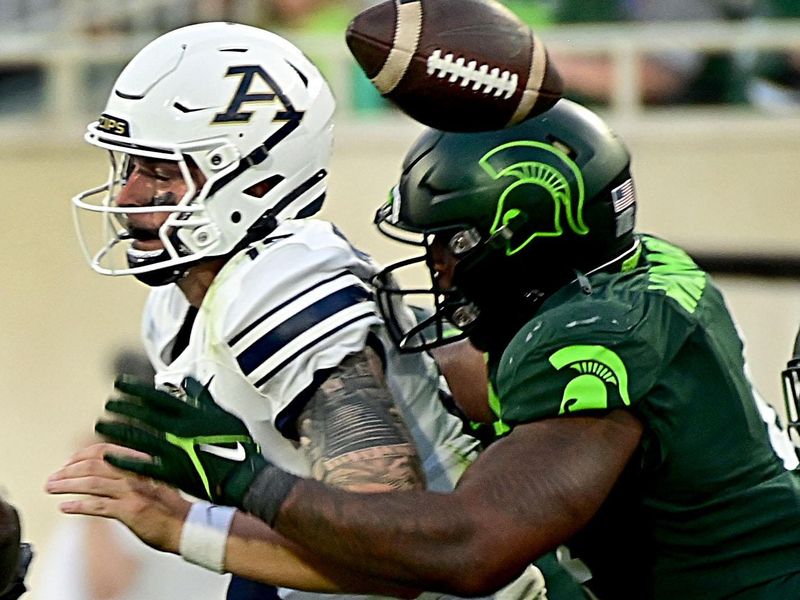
[455,65]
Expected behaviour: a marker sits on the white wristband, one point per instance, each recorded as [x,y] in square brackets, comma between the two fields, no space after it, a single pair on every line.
[205,534]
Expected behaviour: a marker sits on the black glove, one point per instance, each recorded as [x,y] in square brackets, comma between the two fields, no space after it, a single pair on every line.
[196,445]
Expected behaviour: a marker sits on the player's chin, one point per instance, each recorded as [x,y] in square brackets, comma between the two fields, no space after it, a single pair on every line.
[146,247]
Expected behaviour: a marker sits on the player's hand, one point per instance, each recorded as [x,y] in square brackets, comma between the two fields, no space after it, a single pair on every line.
[151,510]
[195,445]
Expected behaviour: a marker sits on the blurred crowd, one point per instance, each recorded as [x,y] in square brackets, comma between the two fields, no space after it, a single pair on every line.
[769,80]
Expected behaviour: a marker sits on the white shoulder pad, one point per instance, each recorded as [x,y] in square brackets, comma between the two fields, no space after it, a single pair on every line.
[164,313]
[292,308]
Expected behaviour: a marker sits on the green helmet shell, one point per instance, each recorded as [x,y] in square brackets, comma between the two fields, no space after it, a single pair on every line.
[549,177]
[548,197]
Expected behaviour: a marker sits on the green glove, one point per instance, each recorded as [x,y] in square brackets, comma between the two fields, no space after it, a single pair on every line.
[195,444]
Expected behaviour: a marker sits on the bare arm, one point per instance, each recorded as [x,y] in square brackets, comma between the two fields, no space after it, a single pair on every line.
[256,552]
[525,495]
[155,513]
[354,437]
[354,434]
[464,369]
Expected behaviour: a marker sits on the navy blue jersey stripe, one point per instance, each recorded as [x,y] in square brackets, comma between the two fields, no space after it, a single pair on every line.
[268,314]
[289,359]
[244,589]
[268,344]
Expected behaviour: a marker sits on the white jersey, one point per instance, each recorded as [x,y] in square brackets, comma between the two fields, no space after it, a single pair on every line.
[277,319]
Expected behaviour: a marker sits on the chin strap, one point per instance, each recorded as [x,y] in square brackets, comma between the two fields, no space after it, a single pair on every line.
[165,275]
[621,258]
[618,262]
[264,225]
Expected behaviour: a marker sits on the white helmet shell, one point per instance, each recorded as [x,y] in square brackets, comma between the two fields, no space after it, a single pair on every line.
[246,106]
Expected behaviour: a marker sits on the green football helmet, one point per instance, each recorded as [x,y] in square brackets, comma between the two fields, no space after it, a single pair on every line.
[525,210]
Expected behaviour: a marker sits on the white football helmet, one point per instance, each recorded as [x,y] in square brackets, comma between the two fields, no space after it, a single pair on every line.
[246,107]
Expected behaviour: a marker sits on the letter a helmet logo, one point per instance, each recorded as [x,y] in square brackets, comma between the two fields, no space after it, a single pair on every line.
[243,95]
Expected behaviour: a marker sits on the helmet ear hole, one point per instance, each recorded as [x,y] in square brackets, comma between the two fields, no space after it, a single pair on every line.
[236,217]
[222,157]
[263,187]
[464,241]
[562,146]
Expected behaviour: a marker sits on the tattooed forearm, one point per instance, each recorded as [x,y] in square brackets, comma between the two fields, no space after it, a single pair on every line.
[355,435]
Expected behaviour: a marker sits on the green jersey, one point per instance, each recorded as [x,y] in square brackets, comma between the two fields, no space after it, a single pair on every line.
[709,507]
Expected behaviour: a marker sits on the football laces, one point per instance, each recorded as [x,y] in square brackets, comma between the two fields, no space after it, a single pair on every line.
[491,79]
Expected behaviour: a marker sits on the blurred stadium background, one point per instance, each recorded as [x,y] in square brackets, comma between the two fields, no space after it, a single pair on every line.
[721,180]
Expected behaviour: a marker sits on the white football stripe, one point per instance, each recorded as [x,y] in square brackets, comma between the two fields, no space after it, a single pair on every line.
[535,78]
[406,39]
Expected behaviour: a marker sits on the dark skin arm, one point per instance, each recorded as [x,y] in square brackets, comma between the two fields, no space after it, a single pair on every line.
[464,369]
[355,439]
[156,512]
[528,493]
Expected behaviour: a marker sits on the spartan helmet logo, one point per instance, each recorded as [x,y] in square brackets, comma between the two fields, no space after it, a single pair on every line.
[542,165]
[597,368]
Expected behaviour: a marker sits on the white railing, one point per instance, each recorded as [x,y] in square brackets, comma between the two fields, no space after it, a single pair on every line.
[625,44]
[66,54]
[94,16]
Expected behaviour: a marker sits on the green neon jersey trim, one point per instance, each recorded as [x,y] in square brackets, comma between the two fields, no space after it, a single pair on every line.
[494,403]
[675,273]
